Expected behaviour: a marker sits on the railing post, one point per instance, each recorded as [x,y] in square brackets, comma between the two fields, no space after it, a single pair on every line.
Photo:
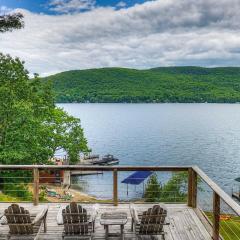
[35,186]
[216,216]
[192,188]
[115,187]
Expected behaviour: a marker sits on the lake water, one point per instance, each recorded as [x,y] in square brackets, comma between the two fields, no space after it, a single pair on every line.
[206,135]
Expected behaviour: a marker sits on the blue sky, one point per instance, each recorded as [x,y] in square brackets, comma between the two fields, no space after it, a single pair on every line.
[61,35]
[41,6]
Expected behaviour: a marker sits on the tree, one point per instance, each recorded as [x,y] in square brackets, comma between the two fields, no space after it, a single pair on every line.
[174,190]
[67,134]
[153,189]
[32,128]
[11,21]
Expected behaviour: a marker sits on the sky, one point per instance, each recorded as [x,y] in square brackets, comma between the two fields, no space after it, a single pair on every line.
[61,35]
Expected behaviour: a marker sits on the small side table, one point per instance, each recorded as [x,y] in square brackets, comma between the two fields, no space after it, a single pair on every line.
[113,218]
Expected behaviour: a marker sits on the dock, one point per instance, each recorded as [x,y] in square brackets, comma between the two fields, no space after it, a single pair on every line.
[84,173]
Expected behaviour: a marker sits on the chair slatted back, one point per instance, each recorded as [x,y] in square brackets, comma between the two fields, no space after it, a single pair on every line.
[18,220]
[152,220]
[75,219]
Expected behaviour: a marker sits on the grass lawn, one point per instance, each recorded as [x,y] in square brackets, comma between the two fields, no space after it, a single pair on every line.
[229,229]
[6,198]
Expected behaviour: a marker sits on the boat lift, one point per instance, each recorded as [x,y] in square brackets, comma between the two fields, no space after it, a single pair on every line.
[137,178]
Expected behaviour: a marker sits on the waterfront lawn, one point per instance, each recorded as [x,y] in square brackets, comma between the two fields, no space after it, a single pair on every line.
[229,229]
[6,198]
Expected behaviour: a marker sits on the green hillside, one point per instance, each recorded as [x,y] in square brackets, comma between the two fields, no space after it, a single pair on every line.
[164,84]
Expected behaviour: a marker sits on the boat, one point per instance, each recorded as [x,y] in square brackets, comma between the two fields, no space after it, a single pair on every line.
[107,160]
[91,157]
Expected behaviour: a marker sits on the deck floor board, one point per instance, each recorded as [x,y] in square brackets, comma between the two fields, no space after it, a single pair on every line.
[184,223]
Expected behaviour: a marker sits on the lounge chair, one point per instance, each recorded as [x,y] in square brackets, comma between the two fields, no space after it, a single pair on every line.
[149,222]
[22,225]
[77,223]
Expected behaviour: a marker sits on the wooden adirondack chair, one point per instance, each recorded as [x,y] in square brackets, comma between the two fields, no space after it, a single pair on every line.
[22,225]
[149,222]
[76,222]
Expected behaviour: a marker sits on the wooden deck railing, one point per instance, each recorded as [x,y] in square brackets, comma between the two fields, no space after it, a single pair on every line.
[193,174]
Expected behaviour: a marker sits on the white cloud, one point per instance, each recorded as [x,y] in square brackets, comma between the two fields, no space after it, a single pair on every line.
[156,33]
[5,10]
[71,6]
[121,4]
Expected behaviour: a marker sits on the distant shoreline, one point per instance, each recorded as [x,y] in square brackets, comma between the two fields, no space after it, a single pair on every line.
[159,85]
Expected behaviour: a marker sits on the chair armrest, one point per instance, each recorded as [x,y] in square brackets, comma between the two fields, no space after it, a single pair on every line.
[134,214]
[3,220]
[166,223]
[40,216]
[90,218]
[59,216]
[94,212]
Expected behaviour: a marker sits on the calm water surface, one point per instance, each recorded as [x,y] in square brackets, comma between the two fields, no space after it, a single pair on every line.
[207,135]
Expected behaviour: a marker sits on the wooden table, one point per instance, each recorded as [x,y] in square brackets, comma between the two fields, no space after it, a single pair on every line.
[113,218]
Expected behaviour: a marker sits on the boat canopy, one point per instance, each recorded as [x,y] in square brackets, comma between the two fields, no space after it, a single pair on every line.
[237,179]
[137,177]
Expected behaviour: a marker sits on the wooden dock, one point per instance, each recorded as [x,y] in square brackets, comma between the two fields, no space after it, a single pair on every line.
[84,173]
[184,222]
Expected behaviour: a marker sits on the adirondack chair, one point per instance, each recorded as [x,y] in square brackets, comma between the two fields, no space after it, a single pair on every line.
[22,225]
[77,223]
[149,222]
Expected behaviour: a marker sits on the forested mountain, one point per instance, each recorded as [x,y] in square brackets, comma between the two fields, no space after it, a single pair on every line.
[163,84]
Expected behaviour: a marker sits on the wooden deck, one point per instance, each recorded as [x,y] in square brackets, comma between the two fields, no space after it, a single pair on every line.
[184,223]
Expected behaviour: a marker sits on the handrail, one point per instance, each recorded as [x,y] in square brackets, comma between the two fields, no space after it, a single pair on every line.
[193,173]
[224,196]
[95,168]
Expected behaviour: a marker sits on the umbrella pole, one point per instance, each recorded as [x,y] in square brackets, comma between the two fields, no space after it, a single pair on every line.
[143,188]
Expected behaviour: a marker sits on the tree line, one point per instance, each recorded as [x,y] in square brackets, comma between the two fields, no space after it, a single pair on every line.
[160,85]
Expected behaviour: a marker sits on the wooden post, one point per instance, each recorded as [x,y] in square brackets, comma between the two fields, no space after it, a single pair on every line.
[115,187]
[35,186]
[66,178]
[190,183]
[216,216]
[192,188]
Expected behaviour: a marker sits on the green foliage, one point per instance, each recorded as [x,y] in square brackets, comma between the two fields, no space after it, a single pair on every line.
[175,190]
[19,191]
[32,128]
[42,194]
[170,84]
[7,198]
[11,21]
[153,189]
[67,134]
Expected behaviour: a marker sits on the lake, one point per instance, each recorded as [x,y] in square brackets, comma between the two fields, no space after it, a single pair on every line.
[206,135]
